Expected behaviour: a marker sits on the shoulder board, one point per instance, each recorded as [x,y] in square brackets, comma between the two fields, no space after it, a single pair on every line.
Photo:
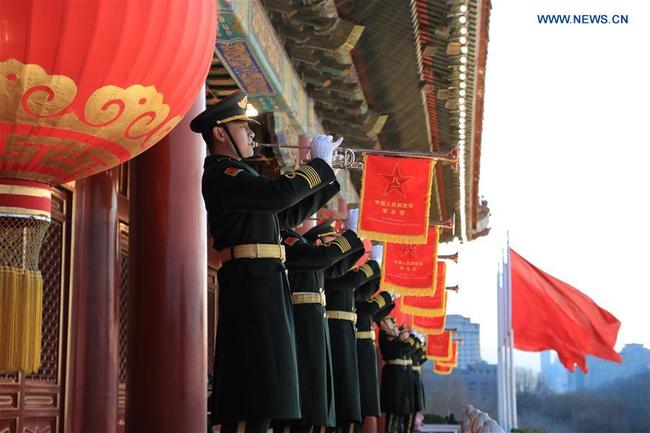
[366,269]
[308,173]
[232,171]
[290,241]
[343,244]
[379,300]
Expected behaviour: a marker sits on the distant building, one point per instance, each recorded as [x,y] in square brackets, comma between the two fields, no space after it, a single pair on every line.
[636,359]
[553,374]
[473,381]
[469,352]
[481,380]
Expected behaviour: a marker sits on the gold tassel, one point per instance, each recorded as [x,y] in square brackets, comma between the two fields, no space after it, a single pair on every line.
[21,316]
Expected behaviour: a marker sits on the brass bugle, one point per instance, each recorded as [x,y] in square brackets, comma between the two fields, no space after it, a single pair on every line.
[452,257]
[449,223]
[452,288]
[346,158]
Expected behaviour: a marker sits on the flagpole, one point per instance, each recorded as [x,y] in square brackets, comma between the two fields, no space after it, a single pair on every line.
[499,336]
[505,344]
[511,342]
[501,376]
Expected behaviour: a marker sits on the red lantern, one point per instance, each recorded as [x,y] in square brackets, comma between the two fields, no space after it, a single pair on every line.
[84,86]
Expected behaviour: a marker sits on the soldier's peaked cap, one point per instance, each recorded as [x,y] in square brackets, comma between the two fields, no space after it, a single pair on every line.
[321,230]
[231,108]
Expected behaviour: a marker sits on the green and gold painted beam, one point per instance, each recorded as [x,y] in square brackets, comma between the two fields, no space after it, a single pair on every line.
[248,46]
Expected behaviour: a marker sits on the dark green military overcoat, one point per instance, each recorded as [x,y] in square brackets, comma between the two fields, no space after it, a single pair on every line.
[255,368]
[366,353]
[396,389]
[306,263]
[340,297]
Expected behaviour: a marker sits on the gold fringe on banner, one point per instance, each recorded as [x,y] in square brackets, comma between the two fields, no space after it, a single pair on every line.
[428,331]
[427,312]
[424,312]
[21,316]
[407,291]
[419,239]
[444,372]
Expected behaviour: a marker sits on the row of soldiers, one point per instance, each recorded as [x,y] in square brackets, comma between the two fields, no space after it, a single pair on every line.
[295,341]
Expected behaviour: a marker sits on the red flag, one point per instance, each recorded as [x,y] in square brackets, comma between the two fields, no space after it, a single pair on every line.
[439,346]
[429,325]
[550,314]
[452,361]
[411,269]
[395,199]
[429,306]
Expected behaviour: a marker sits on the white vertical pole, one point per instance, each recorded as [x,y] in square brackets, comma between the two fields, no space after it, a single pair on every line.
[506,345]
[501,365]
[511,342]
[500,400]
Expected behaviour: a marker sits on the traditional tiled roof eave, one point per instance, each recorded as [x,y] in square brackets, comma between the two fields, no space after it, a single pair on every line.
[441,51]
[477,122]
[320,42]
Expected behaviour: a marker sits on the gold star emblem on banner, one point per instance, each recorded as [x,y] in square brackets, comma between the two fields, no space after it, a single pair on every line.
[395,181]
[408,250]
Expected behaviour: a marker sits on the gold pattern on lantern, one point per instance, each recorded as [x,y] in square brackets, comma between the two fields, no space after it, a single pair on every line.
[116,123]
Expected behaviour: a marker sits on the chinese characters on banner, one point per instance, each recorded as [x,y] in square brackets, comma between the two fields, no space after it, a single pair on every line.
[429,306]
[395,199]
[411,269]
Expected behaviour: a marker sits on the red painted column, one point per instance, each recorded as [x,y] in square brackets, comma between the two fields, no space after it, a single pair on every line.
[93,343]
[167,348]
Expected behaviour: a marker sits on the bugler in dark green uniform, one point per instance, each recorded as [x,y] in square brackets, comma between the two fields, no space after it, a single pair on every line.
[368,310]
[255,371]
[306,263]
[418,357]
[341,317]
[396,390]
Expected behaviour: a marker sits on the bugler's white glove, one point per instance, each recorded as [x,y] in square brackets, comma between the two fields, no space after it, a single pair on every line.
[323,147]
[377,253]
[353,219]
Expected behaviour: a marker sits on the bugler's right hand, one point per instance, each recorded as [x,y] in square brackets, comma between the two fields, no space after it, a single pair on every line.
[323,147]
